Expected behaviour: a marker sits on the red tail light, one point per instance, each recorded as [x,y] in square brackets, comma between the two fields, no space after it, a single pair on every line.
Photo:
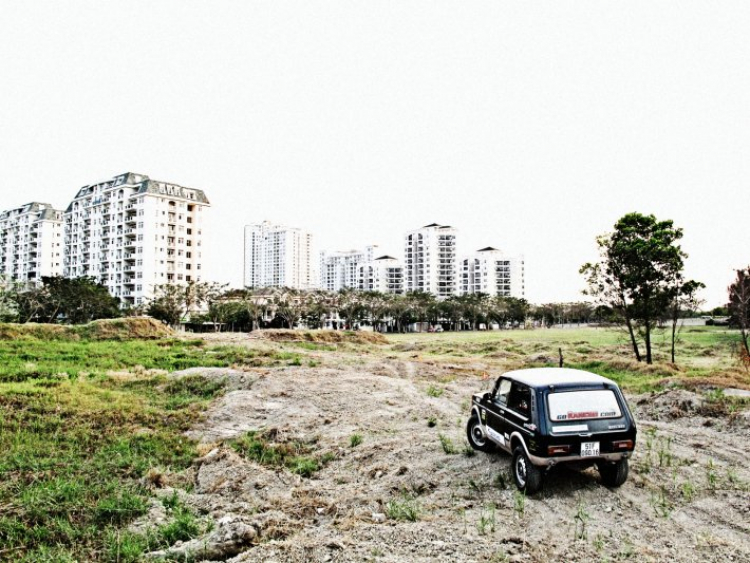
[554,450]
[622,445]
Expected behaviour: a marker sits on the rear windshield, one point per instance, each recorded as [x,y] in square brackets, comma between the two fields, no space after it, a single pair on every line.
[583,405]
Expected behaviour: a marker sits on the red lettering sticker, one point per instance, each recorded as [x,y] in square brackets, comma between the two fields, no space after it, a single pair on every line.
[584,414]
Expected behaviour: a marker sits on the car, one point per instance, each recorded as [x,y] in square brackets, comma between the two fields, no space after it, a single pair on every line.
[545,417]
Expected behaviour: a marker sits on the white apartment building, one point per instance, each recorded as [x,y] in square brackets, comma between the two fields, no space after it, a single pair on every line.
[132,233]
[339,270]
[490,271]
[31,242]
[430,262]
[278,256]
[384,274]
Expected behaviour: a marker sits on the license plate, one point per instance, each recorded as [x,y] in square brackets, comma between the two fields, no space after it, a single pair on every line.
[589,449]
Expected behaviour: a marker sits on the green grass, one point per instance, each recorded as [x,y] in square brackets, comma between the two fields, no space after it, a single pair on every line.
[298,457]
[74,448]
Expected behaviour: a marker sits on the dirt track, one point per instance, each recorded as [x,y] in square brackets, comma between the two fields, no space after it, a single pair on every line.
[686,499]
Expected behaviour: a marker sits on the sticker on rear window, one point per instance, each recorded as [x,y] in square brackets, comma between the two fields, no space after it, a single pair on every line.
[583,405]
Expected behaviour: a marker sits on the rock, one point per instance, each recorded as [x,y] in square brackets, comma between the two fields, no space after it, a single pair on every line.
[378,517]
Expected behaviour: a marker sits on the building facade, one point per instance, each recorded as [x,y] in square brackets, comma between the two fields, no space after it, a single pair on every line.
[31,242]
[430,262]
[278,256]
[132,233]
[339,270]
[384,274]
[489,271]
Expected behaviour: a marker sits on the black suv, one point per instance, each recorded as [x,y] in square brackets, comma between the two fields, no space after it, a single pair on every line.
[546,416]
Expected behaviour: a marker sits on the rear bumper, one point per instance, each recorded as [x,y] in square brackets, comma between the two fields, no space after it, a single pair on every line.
[550,461]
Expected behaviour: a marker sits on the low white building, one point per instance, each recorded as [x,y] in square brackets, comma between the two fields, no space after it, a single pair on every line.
[31,242]
[132,233]
[430,261]
[278,256]
[339,269]
[489,271]
[384,274]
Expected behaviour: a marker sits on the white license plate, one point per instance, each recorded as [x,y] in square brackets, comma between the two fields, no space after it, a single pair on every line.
[589,449]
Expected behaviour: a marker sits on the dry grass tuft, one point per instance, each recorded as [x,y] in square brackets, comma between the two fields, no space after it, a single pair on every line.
[323,336]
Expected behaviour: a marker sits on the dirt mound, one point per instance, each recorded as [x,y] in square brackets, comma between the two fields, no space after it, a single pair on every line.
[325,336]
[105,329]
[125,329]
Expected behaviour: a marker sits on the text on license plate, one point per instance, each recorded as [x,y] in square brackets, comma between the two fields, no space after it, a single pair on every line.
[589,449]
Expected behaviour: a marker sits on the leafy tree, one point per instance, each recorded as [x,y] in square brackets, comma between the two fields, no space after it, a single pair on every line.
[77,300]
[684,301]
[639,273]
[172,302]
[739,305]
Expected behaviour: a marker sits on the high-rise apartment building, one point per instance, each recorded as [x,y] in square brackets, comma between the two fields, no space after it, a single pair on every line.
[430,260]
[31,242]
[278,256]
[490,271]
[339,270]
[131,233]
[384,274]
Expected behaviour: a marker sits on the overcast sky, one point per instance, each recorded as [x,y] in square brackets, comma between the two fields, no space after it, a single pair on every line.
[529,126]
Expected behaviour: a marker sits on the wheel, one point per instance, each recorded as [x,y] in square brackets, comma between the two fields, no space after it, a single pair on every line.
[528,477]
[613,474]
[476,437]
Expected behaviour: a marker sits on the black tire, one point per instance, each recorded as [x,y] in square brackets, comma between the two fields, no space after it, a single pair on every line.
[528,477]
[613,474]
[476,437]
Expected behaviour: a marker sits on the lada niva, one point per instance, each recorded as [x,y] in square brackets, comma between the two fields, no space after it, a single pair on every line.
[547,416]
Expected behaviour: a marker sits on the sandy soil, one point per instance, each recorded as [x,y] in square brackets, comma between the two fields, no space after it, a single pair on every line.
[687,498]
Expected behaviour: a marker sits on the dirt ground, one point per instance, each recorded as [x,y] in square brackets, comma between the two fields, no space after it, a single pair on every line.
[687,497]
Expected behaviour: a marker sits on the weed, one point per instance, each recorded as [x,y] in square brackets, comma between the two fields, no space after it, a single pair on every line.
[447,444]
[661,504]
[434,391]
[711,477]
[688,491]
[598,542]
[431,422]
[355,440]
[580,519]
[486,520]
[519,503]
[404,509]
[468,451]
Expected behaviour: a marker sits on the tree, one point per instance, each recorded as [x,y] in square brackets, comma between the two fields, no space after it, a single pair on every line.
[739,305]
[684,301]
[172,302]
[639,273]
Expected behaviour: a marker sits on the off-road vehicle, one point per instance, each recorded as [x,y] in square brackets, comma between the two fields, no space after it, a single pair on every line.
[547,416]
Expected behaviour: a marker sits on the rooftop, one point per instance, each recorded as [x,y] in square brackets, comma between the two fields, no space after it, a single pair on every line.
[544,377]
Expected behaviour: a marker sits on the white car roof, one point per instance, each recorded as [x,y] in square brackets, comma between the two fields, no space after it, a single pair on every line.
[544,377]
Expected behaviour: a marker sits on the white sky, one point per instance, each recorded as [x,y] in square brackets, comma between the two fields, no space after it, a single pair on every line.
[530,126]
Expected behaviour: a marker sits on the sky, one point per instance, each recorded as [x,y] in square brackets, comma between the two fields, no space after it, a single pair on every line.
[528,126]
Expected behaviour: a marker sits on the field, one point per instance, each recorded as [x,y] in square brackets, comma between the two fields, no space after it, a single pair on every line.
[305,447]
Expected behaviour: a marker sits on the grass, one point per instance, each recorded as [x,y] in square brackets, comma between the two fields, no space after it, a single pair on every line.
[296,456]
[405,509]
[704,353]
[76,443]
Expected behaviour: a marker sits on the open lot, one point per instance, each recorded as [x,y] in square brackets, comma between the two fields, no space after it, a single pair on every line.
[339,449]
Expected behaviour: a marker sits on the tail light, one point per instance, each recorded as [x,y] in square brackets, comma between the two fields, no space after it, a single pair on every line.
[622,445]
[555,450]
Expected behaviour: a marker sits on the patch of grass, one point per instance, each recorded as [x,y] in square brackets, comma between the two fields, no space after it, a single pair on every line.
[433,391]
[75,444]
[294,455]
[402,509]
[431,422]
[355,440]
[447,444]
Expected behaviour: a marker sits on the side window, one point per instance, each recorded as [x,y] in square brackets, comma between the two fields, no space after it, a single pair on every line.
[501,397]
[519,399]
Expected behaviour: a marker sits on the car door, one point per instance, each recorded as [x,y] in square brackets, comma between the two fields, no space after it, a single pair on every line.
[517,411]
[495,422]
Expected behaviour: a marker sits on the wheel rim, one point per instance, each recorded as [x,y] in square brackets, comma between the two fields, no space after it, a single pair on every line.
[477,435]
[521,470]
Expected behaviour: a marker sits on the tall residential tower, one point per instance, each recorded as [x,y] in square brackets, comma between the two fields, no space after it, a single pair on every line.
[430,260]
[277,256]
[31,243]
[132,233]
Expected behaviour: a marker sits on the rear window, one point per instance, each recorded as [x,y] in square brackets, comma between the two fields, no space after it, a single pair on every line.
[583,405]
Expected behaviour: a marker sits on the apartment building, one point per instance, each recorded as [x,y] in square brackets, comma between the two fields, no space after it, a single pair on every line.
[340,269]
[132,233]
[31,242]
[430,262]
[278,256]
[384,274]
[489,271]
